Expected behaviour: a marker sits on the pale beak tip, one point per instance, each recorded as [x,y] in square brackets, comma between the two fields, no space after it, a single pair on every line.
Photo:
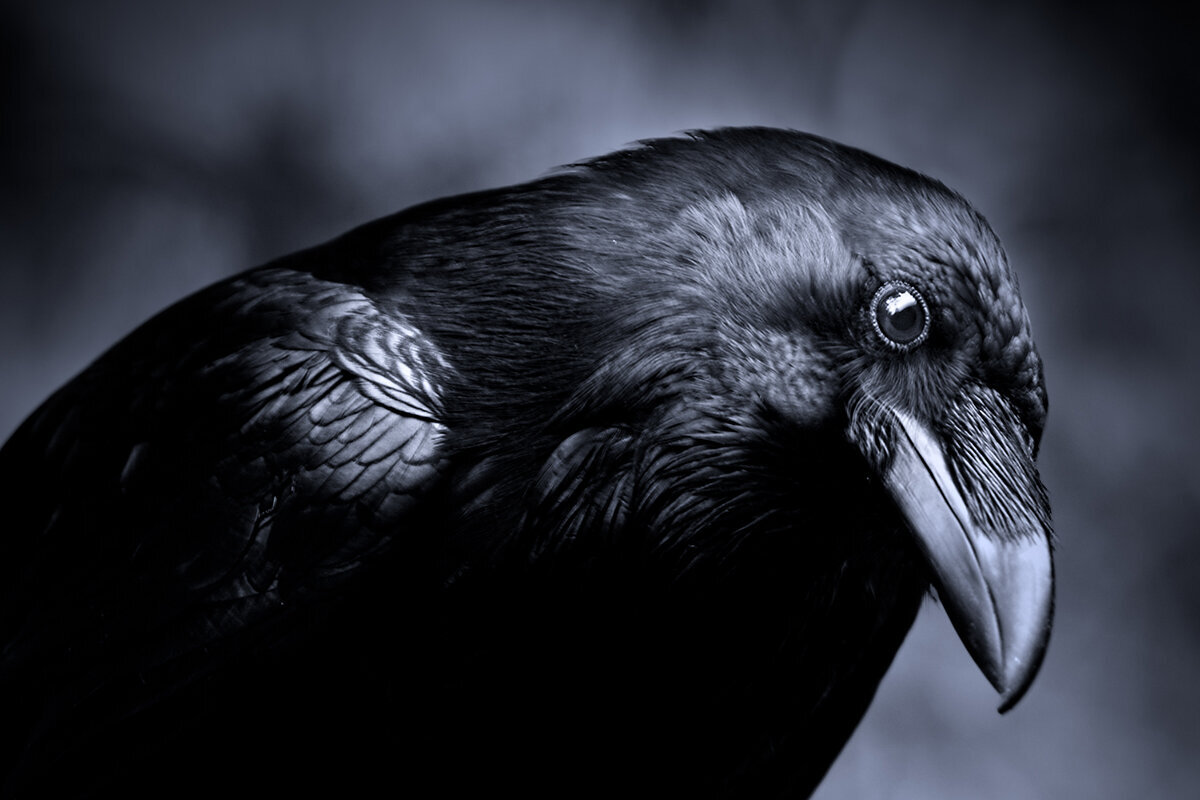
[1021,669]
[1012,695]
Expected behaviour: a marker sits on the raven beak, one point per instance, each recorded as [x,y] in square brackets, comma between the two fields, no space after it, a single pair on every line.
[989,550]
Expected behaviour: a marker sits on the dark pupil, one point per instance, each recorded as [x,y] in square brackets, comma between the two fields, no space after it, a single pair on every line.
[900,317]
[905,320]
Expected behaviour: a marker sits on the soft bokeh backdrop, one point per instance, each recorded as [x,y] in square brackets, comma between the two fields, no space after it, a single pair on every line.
[149,148]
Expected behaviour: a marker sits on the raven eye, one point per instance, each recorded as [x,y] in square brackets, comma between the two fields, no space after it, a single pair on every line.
[900,316]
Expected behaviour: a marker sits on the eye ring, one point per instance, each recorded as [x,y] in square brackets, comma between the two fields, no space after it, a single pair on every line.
[900,316]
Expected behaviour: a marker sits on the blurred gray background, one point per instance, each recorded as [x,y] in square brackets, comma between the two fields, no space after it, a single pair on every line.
[150,148]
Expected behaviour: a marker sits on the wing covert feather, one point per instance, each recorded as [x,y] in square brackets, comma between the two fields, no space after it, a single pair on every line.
[246,455]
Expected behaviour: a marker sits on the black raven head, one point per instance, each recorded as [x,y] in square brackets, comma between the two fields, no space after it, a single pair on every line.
[779,282]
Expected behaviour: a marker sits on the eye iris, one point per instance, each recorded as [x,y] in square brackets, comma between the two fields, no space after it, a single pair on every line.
[900,316]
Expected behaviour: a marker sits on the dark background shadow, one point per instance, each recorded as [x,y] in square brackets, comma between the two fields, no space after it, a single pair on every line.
[148,148]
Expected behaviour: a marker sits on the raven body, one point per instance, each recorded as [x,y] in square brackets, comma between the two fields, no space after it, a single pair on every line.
[630,477]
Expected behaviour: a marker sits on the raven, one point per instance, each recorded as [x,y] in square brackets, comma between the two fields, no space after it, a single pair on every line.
[630,478]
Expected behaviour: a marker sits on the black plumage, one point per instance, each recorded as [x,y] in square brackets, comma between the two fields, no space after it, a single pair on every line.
[631,478]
